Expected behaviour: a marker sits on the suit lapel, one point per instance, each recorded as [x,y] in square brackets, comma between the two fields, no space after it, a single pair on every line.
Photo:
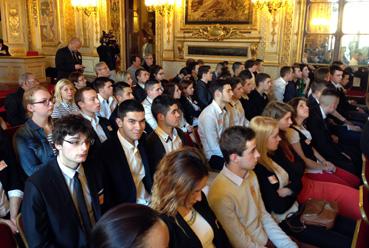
[91,181]
[61,187]
[147,179]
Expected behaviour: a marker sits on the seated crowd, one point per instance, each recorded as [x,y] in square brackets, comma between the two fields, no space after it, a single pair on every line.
[125,160]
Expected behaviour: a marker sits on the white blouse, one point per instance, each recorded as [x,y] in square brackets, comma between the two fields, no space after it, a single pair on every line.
[201,228]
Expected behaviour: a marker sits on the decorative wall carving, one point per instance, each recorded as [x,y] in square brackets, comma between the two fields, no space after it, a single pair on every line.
[287,35]
[15,31]
[49,22]
[217,33]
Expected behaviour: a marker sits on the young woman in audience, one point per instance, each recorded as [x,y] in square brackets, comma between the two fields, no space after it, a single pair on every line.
[317,167]
[346,197]
[33,141]
[177,195]
[130,225]
[158,73]
[78,80]
[64,99]
[123,76]
[190,107]
[280,187]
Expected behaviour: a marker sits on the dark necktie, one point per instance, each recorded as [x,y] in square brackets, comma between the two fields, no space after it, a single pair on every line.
[82,204]
[75,57]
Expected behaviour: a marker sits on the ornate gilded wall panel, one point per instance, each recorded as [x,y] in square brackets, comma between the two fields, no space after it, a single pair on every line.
[49,22]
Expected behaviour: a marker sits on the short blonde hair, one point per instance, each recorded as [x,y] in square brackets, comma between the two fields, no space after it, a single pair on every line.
[28,97]
[122,76]
[58,88]
[263,128]
[176,178]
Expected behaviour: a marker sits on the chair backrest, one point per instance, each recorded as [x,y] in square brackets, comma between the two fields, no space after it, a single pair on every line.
[365,171]
[7,239]
[360,239]
[364,203]
[21,229]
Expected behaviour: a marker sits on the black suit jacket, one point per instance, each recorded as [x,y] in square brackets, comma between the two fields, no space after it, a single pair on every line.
[157,150]
[108,54]
[15,113]
[4,50]
[139,93]
[181,234]
[65,62]
[323,142]
[188,110]
[120,187]
[343,106]
[255,104]
[290,91]
[203,94]
[50,217]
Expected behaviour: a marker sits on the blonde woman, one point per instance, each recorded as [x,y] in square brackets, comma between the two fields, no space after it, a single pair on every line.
[280,185]
[177,195]
[64,99]
[33,141]
[123,76]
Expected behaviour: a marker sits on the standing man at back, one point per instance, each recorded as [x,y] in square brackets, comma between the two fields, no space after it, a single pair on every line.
[68,59]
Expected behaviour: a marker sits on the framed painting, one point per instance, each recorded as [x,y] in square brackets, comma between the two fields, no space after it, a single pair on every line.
[48,22]
[218,11]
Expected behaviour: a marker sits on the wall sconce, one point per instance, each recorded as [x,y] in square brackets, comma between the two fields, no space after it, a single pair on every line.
[272,6]
[163,7]
[88,7]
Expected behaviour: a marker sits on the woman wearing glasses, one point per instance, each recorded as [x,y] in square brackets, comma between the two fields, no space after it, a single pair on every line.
[64,99]
[177,195]
[33,141]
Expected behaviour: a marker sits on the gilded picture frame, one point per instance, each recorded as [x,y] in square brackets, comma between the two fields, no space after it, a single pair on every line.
[218,11]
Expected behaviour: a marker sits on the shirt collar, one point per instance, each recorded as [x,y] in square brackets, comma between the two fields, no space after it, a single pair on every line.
[337,85]
[322,111]
[160,132]
[125,142]
[69,172]
[141,85]
[216,106]
[284,81]
[231,176]
[90,119]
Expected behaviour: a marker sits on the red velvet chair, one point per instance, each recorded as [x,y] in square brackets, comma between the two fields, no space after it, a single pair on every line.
[7,239]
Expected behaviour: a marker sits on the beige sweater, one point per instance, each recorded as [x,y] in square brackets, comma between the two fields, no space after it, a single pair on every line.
[240,209]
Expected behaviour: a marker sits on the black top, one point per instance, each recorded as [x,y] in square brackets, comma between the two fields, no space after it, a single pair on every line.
[65,62]
[139,93]
[181,234]
[202,93]
[290,91]
[108,54]
[4,50]
[15,113]
[189,111]
[306,145]
[255,104]
[364,140]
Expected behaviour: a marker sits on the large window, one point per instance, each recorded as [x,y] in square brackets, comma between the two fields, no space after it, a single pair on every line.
[337,30]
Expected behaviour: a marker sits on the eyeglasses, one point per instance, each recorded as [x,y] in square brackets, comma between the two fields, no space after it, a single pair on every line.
[45,102]
[80,143]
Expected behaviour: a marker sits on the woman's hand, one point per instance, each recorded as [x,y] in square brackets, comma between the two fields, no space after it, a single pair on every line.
[12,225]
[328,166]
[283,192]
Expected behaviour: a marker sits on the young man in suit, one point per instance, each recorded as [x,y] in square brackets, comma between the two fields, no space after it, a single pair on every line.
[333,150]
[104,88]
[202,90]
[68,59]
[88,102]
[124,159]
[121,91]
[258,98]
[167,136]
[141,76]
[153,89]
[63,200]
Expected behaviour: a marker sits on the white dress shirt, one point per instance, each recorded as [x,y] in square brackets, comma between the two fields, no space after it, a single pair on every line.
[149,118]
[137,169]
[169,143]
[106,106]
[279,87]
[96,126]
[68,174]
[212,122]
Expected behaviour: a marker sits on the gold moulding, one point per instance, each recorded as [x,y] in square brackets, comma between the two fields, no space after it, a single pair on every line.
[217,33]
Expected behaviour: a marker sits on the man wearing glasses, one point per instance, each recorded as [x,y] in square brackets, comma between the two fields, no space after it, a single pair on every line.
[15,113]
[63,200]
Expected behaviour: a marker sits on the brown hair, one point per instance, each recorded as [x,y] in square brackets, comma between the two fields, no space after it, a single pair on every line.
[28,97]
[176,177]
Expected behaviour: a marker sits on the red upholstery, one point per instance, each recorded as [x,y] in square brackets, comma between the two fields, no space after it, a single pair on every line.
[7,239]
[32,53]
[361,235]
